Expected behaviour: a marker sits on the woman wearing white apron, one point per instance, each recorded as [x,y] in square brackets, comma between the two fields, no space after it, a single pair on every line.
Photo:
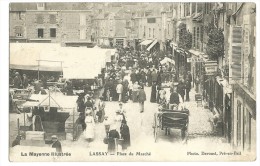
[90,125]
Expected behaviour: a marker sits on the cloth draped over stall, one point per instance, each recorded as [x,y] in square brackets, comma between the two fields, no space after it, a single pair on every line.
[74,62]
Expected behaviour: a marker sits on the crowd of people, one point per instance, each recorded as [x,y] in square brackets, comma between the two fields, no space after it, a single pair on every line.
[124,80]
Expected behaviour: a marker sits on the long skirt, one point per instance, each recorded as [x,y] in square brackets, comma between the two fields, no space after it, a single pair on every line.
[134,96]
[89,132]
[153,96]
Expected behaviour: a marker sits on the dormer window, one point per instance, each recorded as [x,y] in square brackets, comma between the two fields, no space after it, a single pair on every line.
[40,6]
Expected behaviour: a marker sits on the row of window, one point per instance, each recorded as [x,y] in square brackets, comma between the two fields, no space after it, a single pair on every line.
[40,19]
[41,32]
[188,9]
[197,37]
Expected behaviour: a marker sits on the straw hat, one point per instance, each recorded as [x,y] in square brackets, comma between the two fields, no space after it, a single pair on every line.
[88,111]
[54,137]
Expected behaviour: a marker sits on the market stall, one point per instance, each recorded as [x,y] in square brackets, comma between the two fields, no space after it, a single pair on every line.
[46,115]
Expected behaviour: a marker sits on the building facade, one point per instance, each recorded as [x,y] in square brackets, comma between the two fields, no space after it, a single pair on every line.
[41,22]
[226,82]
[242,74]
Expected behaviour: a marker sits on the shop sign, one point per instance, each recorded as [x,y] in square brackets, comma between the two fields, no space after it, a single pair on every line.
[193,59]
[133,36]
[211,67]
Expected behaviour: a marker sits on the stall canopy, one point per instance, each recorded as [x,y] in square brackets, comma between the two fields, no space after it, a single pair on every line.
[146,42]
[167,60]
[197,53]
[75,62]
[34,56]
[152,45]
[66,103]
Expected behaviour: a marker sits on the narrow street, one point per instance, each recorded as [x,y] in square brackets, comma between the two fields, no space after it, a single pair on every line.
[142,140]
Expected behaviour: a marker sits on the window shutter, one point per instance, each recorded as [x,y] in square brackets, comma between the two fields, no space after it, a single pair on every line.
[39,19]
[52,19]
[18,29]
[236,52]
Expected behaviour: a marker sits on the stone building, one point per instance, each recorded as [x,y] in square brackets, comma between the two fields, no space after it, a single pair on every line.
[66,23]
[242,74]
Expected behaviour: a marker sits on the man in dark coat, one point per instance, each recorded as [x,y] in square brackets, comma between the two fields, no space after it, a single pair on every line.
[133,77]
[87,88]
[153,93]
[187,87]
[125,91]
[149,77]
[25,81]
[181,89]
[56,144]
[16,141]
[143,76]
[81,109]
[154,76]
[189,77]
[125,135]
[174,99]
[44,82]
[17,81]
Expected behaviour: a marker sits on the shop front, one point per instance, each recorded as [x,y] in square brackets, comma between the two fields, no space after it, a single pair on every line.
[182,66]
[244,119]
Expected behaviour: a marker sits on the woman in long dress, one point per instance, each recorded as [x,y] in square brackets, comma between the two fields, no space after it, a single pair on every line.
[135,91]
[118,120]
[113,136]
[90,125]
[153,93]
[125,135]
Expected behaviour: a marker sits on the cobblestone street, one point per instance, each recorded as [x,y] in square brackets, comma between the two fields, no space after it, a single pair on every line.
[142,140]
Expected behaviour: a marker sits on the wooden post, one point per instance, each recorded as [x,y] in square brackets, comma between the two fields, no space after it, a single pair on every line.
[38,70]
[18,126]
[73,126]
[24,118]
[49,100]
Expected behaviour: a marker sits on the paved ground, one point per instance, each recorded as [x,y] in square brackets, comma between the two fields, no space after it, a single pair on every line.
[140,124]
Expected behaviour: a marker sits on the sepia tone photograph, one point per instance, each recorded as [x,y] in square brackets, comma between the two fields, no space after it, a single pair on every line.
[132,81]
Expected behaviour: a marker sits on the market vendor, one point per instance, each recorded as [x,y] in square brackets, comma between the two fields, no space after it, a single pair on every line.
[56,143]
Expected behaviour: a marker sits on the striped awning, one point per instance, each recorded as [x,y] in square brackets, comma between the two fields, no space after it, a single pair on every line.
[146,42]
[151,46]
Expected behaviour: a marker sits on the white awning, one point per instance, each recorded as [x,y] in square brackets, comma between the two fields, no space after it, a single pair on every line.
[146,42]
[197,53]
[167,60]
[153,44]
[65,102]
[77,62]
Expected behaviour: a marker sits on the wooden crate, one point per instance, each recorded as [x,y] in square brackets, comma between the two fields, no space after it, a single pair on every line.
[34,135]
[51,127]
[40,143]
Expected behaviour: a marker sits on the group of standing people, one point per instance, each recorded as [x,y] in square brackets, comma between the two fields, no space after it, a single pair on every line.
[119,132]
[20,82]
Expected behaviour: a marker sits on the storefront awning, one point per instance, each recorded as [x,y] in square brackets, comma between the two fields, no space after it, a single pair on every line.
[152,45]
[198,17]
[146,42]
[167,60]
[194,52]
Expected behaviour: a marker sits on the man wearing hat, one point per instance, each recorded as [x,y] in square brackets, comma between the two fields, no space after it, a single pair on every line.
[56,143]
[17,81]
[25,81]
[101,109]
[16,141]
